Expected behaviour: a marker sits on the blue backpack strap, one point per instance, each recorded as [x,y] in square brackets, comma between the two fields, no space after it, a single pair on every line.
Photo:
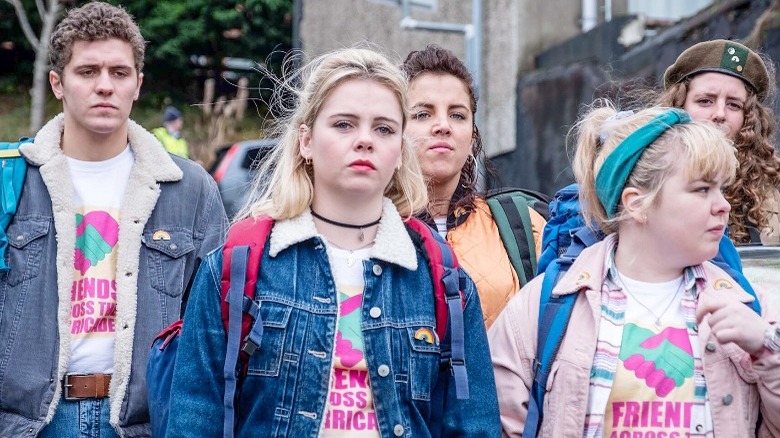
[454,280]
[238,265]
[241,258]
[554,314]
[448,281]
[728,260]
[13,169]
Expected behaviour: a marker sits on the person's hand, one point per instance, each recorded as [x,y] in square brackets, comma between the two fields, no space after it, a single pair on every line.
[733,321]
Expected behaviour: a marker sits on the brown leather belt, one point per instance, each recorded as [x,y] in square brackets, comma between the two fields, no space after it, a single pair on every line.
[81,386]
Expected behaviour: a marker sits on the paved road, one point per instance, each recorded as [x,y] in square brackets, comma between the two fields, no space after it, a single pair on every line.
[762,268]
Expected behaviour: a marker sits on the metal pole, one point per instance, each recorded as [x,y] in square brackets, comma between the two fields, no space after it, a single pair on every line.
[590,15]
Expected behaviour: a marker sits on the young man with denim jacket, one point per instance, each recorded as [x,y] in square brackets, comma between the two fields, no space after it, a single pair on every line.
[108,231]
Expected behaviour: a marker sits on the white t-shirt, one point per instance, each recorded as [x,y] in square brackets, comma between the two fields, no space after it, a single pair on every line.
[99,187]
[350,407]
[441,226]
[653,389]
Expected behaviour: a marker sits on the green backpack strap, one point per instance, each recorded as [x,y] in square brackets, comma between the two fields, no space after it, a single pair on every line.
[13,169]
[509,208]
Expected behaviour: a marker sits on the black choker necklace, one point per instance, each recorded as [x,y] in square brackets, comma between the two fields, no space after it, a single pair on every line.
[343,225]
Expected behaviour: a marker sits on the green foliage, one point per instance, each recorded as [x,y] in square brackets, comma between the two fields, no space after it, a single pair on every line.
[177,31]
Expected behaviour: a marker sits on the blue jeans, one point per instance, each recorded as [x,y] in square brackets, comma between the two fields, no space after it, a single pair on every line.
[87,418]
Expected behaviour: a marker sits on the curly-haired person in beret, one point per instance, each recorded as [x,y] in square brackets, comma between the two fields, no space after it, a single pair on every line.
[731,85]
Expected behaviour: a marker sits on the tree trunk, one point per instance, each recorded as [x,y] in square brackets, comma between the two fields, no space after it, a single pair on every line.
[41,66]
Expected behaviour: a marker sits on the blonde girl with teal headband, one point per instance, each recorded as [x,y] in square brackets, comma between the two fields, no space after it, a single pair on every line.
[660,342]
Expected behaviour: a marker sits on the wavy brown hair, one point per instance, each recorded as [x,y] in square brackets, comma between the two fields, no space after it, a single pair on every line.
[94,21]
[438,60]
[759,168]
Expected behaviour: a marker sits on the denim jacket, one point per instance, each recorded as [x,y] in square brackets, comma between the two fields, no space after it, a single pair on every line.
[285,390]
[163,193]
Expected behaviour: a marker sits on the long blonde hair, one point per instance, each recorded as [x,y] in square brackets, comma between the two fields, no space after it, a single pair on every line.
[702,148]
[284,186]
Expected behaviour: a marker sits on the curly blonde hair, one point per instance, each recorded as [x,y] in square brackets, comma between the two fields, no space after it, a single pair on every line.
[758,174]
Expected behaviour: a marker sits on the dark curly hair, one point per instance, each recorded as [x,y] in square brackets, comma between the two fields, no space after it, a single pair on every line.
[94,21]
[436,59]
[759,168]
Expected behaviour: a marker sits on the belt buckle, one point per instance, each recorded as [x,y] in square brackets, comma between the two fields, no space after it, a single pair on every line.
[66,385]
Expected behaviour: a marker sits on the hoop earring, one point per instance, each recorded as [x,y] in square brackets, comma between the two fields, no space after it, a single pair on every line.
[307,161]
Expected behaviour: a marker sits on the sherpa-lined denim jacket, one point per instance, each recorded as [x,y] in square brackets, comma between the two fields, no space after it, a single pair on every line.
[285,391]
[163,193]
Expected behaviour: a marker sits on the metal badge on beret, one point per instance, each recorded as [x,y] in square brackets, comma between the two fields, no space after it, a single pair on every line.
[721,56]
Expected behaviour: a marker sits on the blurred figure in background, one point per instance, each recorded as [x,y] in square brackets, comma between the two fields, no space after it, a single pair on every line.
[169,133]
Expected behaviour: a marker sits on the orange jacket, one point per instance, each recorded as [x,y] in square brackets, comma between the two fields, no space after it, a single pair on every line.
[480,251]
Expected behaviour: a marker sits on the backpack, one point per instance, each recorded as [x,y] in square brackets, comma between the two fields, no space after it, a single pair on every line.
[242,254]
[509,207]
[565,237]
[14,168]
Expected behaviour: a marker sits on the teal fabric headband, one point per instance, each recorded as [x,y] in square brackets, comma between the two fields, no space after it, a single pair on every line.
[618,166]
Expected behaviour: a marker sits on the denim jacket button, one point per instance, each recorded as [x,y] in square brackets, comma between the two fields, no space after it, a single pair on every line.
[375,312]
[710,346]
[383,370]
[377,270]
[398,430]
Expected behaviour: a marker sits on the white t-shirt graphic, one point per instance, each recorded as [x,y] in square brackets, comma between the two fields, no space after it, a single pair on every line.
[99,187]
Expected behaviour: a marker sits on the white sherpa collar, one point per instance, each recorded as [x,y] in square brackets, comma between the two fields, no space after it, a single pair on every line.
[150,156]
[392,244]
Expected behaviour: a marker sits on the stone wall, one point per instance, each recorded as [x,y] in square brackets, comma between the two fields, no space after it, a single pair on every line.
[575,72]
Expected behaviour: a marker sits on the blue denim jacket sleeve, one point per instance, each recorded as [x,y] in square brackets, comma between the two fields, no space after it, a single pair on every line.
[197,388]
[478,416]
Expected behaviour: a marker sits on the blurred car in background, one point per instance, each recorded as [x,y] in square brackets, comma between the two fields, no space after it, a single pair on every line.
[761,266]
[234,169]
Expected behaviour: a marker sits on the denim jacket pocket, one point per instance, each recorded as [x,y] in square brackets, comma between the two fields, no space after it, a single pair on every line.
[25,249]
[425,355]
[267,359]
[166,251]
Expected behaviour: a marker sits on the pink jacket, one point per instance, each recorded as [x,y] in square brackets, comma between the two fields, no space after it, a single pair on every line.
[736,385]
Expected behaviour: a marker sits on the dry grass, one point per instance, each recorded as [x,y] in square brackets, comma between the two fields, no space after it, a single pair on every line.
[15,122]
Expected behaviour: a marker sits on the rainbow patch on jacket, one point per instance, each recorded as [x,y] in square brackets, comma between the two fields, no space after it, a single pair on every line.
[161,235]
[425,334]
[722,283]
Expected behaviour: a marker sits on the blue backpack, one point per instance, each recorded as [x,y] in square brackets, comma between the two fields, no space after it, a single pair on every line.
[14,168]
[242,256]
[565,237]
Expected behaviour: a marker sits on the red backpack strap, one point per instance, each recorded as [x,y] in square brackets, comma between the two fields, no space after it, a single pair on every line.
[448,284]
[247,232]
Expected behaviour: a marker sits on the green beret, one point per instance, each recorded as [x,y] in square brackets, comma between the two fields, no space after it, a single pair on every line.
[721,56]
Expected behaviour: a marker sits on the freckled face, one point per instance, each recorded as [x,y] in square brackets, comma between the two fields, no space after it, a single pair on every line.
[718,98]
